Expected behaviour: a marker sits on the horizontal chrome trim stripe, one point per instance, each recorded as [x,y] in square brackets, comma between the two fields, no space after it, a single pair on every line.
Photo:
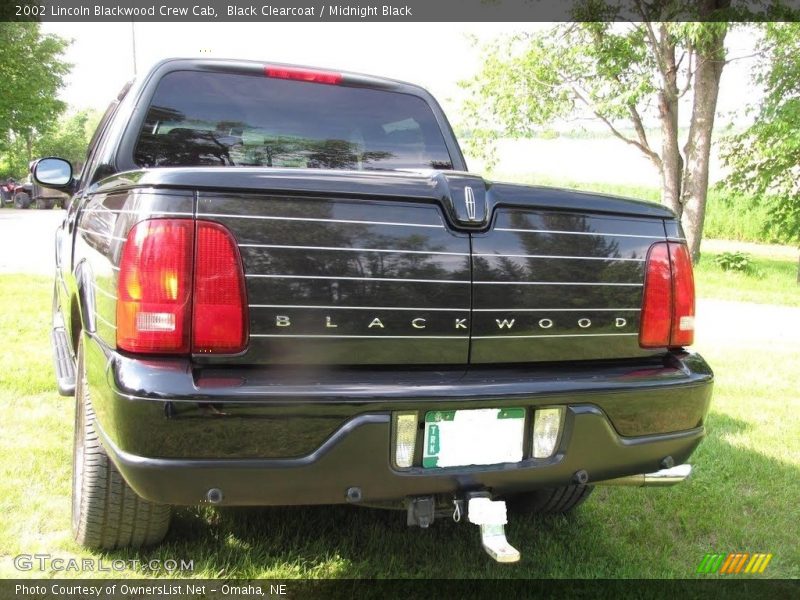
[355,307]
[253,275]
[557,309]
[105,235]
[102,291]
[430,309]
[102,320]
[555,335]
[370,337]
[358,278]
[433,337]
[630,235]
[349,221]
[556,283]
[326,248]
[144,212]
[560,257]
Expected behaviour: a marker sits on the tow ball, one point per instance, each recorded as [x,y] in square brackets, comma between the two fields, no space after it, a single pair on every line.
[489,515]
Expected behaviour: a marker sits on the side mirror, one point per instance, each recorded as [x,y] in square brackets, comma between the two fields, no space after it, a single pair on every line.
[52,172]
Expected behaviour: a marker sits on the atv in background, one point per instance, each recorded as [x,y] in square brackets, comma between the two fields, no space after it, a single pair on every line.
[7,188]
[23,194]
[29,193]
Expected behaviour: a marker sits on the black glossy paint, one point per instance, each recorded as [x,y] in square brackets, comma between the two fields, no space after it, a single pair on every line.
[558,286]
[331,251]
[216,411]
[346,281]
[358,456]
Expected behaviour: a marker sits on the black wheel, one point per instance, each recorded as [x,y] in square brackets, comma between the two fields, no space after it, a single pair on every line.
[22,200]
[106,512]
[550,500]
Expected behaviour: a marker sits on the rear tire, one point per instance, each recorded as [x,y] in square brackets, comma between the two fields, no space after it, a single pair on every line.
[22,200]
[550,500]
[106,512]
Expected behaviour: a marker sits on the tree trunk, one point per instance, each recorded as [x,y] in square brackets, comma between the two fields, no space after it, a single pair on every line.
[671,160]
[709,62]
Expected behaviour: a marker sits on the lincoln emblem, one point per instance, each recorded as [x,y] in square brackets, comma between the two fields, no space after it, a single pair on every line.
[469,200]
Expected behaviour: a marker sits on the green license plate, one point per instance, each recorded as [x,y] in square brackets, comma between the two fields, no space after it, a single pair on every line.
[485,436]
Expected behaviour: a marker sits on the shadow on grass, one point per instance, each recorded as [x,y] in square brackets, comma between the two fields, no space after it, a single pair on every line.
[737,501]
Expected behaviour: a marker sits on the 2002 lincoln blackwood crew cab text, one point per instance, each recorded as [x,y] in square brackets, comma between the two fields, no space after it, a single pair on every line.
[278,285]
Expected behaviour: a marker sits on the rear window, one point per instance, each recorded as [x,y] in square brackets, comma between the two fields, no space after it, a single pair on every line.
[229,120]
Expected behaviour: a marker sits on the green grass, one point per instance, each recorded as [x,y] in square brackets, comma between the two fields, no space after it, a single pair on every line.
[768,280]
[743,497]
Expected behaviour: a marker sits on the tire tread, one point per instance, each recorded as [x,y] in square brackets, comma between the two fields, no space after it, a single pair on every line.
[551,500]
[112,515]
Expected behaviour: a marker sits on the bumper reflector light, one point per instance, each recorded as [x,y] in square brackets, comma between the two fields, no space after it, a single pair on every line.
[546,429]
[405,428]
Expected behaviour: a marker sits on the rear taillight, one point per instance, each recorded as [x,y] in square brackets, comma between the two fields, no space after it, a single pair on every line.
[682,333]
[220,308]
[155,282]
[667,318]
[297,74]
[181,289]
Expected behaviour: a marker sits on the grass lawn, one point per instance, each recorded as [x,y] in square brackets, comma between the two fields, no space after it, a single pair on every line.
[770,279]
[744,496]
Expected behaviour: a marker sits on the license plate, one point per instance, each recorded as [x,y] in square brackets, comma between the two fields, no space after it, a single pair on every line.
[486,436]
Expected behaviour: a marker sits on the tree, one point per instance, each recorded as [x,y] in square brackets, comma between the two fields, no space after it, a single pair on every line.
[621,74]
[69,139]
[32,72]
[764,160]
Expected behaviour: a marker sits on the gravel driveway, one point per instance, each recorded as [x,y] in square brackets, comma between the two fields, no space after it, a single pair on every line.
[742,323]
[27,240]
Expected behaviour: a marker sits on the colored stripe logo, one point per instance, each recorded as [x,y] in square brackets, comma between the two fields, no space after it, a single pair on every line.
[734,563]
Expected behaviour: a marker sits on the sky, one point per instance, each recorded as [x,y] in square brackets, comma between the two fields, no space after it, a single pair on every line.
[434,55]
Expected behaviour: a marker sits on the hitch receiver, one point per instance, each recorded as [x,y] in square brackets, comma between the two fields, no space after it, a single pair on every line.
[421,511]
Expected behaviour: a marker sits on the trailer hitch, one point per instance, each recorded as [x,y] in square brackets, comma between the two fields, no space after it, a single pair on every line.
[490,515]
[481,510]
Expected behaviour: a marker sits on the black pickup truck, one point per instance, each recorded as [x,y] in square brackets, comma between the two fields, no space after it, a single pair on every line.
[279,286]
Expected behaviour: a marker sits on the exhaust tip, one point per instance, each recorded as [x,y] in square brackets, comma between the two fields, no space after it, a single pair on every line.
[214,495]
[671,476]
[663,478]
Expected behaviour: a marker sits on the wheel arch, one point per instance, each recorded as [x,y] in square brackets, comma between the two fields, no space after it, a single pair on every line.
[82,308]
